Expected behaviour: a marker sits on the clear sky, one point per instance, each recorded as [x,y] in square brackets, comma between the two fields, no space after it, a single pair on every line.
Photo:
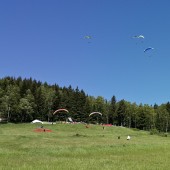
[43,39]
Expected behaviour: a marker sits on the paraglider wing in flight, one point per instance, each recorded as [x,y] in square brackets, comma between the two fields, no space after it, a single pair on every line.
[61,110]
[147,49]
[87,37]
[138,36]
[95,113]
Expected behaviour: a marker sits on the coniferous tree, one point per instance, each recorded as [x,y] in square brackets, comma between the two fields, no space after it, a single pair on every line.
[112,111]
[162,118]
[26,99]
[121,113]
[40,104]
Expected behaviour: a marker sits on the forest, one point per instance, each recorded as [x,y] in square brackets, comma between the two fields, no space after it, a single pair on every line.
[23,100]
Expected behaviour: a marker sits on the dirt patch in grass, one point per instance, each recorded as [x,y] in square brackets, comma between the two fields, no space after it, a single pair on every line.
[42,130]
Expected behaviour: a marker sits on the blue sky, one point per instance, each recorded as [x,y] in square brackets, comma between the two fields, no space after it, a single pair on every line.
[43,39]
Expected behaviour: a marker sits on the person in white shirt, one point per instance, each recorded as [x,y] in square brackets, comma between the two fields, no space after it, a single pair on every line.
[128,137]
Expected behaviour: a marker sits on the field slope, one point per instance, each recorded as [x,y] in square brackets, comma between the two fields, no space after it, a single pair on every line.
[75,147]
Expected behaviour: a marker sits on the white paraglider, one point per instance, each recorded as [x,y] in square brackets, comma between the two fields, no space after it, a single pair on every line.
[95,113]
[60,110]
[139,36]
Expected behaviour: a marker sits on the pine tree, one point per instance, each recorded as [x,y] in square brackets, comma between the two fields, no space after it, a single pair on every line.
[112,111]
[121,113]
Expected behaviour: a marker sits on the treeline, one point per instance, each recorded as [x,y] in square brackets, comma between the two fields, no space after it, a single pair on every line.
[23,100]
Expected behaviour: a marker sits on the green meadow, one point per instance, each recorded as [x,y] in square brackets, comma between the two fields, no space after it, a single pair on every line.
[75,147]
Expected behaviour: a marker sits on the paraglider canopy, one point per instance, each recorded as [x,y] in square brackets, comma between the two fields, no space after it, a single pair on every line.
[147,49]
[87,37]
[70,119]
[95,113]
[36,121]
[60,110]
[138,36]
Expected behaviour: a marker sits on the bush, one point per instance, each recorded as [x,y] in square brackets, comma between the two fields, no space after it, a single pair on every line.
[166,134]
[154,132]
[135,129]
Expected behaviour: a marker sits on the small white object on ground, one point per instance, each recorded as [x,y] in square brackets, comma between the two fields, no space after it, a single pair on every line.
[128,137]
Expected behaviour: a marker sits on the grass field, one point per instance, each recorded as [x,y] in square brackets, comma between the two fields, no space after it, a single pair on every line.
[72,146]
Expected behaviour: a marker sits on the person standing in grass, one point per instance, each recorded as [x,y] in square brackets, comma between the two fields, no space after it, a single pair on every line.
[128,137]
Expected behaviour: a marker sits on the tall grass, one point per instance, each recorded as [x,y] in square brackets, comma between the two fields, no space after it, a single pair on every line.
[72,146]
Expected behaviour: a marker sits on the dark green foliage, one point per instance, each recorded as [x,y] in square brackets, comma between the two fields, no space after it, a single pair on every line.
[112,111]
[121,113]
[154,132]
[22,100]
